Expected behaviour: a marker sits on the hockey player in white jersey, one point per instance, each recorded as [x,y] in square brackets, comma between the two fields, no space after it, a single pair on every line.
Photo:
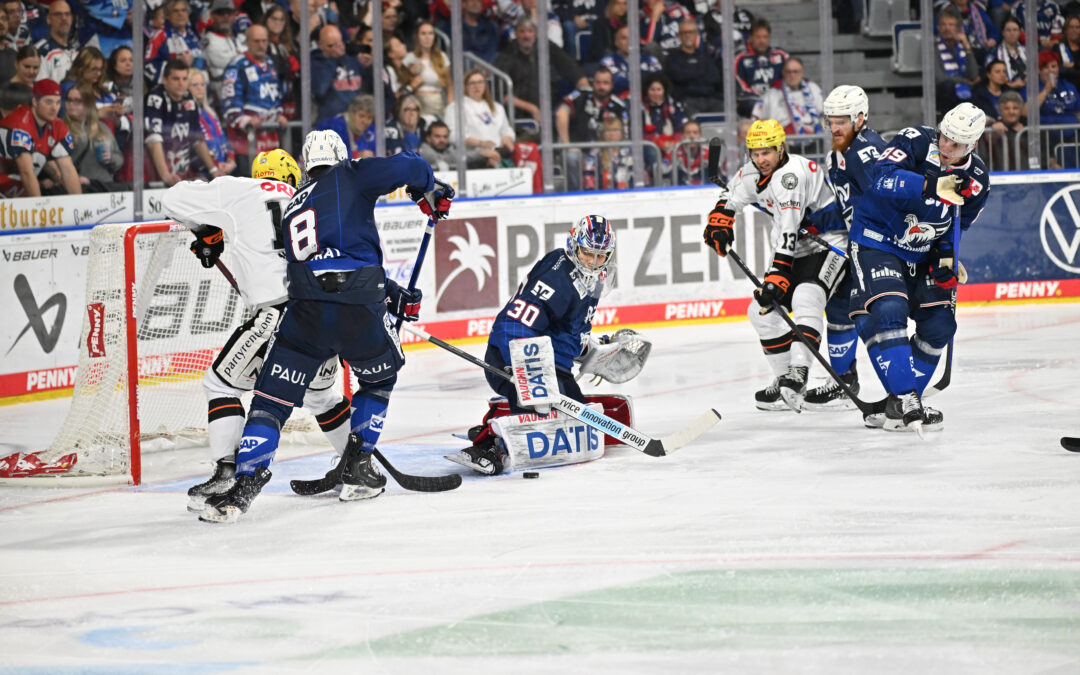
[794,192]
[245,215]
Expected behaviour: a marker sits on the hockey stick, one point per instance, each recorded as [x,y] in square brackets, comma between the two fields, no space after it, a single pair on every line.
[864,407]
[1070,444]
[332,479]
[654,447]
[946,375]
[429,229]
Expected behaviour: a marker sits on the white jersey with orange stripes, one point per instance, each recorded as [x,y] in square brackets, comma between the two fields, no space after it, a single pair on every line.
[794,190]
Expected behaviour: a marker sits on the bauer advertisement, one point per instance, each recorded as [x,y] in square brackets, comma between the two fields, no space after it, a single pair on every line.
[1024,247]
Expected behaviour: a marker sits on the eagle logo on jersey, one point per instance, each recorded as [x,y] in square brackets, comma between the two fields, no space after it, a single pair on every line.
[918,233]
[789,181]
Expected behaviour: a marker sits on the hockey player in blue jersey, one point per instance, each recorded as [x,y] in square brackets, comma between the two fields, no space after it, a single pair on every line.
[339,300]
[558,299]
[855,148]
[904,260]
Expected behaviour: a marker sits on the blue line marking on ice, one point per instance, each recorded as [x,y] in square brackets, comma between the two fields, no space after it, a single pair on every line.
[130,637]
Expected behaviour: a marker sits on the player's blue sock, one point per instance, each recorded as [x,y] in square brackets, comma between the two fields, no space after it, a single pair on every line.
[368,415]
[257,447]
[924,360]
[842,344]
[894,362]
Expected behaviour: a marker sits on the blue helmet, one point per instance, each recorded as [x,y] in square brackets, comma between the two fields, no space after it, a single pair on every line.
[592,234]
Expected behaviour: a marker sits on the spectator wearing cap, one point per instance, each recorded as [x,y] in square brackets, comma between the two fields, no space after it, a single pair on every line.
[251,98]
[220,43]
[795,102]
[175,41]
[758,67]
[37,147]
[57,49]
[618,62]
[173,129]
[694,77]
[956,71]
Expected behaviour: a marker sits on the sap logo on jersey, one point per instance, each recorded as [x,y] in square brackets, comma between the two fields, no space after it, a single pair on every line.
[288,374]
[568,440]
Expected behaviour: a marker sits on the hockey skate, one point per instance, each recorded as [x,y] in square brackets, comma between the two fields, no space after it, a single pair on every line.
[904,413]
[769,397]
[486,458]
[227,507]
[933,419]
[792,386]
[830,396]
[218,483]
[360,478]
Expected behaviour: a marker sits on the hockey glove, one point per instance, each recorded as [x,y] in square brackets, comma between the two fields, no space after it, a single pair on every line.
[774,288]
[436,203]
[208,246]
[401,302]
[942,264]
[951,188]
[720,232]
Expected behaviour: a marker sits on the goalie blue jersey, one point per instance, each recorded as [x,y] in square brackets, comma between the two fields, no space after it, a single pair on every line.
[330,223]
[553,300]
[894,216]
[849,171]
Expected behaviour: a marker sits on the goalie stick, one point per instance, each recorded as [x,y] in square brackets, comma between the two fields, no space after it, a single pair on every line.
[864,407]
[1071,444]
[654,447]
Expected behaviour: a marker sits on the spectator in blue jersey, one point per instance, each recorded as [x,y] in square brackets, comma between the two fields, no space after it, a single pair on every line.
[693,74]
[660,21]
[739,32]
[1010,52]
[664,120]
[986,95]
[407,116]
[173,130]
[251,99]
[577,16]
[1049,21]
[339,301]
[175,41]
[977,26]
[58,49]
[213,131]
[16,32]
[618,62]
[104,24]
[956,71]
[610,168]
[581,116]
[335,76]
[356,127]
[1059,101]
[757,68]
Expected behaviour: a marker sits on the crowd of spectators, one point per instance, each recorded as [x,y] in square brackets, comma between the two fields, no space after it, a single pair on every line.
[223,82]
[982,58]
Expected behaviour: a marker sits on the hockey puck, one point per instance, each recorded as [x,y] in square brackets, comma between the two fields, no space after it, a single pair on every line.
[530,474]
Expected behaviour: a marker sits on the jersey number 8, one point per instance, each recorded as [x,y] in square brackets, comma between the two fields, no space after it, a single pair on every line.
[524,312]
[303,238]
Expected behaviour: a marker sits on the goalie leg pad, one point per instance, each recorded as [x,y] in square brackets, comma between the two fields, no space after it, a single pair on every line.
[616,406]
[534,441]
[533,368]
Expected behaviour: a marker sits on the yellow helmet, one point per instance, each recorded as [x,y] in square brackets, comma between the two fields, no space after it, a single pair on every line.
[765,134]
[276,164]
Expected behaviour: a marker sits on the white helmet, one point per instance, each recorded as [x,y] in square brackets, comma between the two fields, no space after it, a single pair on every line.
[323,148]
[847,101]
[964,124]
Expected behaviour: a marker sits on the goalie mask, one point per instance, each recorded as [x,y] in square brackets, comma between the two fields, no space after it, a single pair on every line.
[590,246]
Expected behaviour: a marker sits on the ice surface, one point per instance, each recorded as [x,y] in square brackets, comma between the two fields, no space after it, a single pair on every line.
[777,543]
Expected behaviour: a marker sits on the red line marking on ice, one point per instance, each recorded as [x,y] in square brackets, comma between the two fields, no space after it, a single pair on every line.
[994,549]
[982,555]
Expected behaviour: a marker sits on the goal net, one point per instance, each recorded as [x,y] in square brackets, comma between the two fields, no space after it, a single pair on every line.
[154,321]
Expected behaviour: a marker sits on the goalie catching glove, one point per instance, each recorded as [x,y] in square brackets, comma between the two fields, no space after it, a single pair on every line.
[436,203]
[401,302]
[616,358]
[208,246]
[720,232]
